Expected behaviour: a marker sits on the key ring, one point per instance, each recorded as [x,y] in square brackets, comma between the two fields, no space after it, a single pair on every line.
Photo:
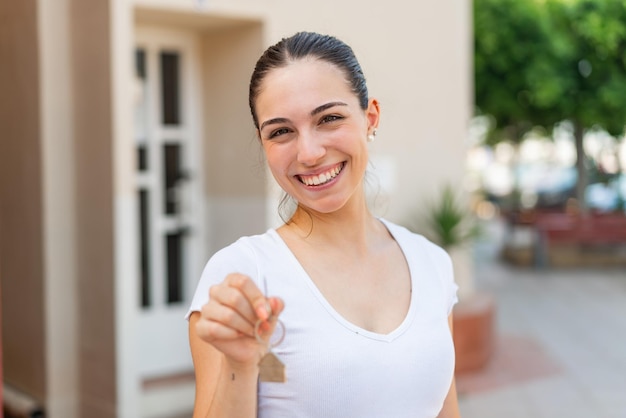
[270,343]
[278,322]
[271,369]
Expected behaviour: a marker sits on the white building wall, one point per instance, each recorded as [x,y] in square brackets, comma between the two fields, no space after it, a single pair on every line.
[417,58]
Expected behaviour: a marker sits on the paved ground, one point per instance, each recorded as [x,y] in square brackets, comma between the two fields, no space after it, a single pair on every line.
[561,348]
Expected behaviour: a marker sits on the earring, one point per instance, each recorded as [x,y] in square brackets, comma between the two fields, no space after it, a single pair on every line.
[371,137]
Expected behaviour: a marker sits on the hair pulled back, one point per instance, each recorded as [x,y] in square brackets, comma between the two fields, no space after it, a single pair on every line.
[303,45]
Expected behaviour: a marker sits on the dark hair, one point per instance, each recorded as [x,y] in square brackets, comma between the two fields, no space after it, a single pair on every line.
[308,44]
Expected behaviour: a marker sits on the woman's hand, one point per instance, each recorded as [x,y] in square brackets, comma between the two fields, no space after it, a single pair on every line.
[228,320]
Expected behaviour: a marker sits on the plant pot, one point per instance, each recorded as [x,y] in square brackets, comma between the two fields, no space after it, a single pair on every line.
[473,332]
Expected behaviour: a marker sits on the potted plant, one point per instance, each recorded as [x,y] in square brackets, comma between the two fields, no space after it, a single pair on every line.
[451,225]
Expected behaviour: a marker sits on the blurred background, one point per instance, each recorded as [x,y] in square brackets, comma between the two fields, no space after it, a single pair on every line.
[546,172]
[128,157]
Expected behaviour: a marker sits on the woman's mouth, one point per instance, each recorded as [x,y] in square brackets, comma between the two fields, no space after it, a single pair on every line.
[322,178]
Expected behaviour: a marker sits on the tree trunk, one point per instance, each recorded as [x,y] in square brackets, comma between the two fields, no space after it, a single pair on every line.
[581,184]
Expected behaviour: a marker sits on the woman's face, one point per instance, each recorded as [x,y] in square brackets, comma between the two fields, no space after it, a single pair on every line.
[314,133]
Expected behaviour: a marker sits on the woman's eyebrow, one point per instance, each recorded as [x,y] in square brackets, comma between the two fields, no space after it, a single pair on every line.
[314,112]
[326,106]
[273,122]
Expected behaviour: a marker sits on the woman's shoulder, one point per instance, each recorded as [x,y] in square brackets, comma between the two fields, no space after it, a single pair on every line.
[402,232]
[418,248]
[247,246]
[406,237]
[243,256]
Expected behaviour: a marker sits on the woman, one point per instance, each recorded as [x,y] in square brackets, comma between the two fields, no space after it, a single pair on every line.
[365,304]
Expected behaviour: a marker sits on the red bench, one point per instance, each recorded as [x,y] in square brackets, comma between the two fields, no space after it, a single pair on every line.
[585,232]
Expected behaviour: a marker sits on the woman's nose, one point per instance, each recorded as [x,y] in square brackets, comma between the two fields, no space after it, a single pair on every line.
[310,149]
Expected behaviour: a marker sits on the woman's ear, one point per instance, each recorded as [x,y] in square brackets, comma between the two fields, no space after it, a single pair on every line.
[372,114]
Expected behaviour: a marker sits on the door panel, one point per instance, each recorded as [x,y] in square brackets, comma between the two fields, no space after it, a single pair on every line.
[167,137]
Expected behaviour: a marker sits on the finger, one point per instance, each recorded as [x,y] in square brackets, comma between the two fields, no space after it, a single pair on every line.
[253,294]
[211,331]
[228,317]
[234,299]
[277,305]
[272,329]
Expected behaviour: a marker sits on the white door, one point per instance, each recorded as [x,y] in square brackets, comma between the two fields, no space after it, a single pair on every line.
[168,139]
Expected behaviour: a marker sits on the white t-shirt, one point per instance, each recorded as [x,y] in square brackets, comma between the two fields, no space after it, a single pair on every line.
[335,368]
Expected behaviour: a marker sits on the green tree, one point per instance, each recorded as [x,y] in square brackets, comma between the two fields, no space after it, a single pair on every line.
[538,63]
[516,69]
[594,65]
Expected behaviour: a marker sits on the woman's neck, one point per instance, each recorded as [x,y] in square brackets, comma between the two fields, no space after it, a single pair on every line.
[349,228]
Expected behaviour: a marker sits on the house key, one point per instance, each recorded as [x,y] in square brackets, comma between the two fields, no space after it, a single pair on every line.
[271,369]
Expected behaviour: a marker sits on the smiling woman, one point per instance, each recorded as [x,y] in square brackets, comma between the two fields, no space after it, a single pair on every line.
[363,305]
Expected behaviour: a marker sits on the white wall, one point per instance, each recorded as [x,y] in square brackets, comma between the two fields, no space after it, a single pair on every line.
[417,59]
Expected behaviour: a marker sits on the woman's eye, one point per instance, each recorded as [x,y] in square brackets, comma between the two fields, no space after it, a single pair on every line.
[330,118]
[278,132]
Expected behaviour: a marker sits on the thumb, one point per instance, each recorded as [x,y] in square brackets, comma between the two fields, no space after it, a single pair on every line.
[266,328]
[263,308]
[276,305]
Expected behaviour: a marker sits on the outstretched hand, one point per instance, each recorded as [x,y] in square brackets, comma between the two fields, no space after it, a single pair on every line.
[228,320]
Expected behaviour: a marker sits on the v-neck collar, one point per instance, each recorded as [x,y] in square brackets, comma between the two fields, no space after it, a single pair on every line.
[401,239]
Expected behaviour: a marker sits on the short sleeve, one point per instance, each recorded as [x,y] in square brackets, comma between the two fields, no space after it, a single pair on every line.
[443,264]
[236,258]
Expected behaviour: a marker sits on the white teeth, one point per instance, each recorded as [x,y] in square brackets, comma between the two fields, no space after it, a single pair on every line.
[322,178]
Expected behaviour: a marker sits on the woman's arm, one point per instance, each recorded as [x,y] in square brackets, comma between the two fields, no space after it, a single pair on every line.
[451,403]
[207,366]
[235,389]
[225,350]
